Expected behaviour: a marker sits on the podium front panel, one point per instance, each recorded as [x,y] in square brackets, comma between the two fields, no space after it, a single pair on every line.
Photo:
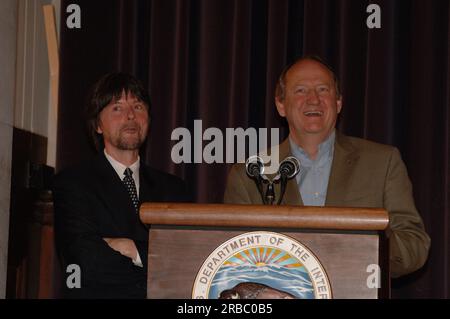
[176,255]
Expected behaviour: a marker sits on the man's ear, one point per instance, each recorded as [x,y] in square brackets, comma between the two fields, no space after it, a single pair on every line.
[339,104]
[99,129]
[280,107]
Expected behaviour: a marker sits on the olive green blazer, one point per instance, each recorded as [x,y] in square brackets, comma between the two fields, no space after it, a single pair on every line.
[363,174]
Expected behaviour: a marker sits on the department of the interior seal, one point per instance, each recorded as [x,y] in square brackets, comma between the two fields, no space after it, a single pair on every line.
[262,265]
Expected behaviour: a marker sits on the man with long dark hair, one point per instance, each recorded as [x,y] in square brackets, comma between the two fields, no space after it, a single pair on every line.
[97,223]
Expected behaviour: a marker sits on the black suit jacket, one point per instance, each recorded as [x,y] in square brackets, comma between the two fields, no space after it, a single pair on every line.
[92,203]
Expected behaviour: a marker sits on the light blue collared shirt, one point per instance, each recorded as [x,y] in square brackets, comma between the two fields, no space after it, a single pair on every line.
[312,180]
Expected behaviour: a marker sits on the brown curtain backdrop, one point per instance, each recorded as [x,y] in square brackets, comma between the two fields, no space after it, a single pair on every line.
[218,61]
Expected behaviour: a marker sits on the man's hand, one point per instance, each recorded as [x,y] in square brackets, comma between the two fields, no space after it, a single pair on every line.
[125,246]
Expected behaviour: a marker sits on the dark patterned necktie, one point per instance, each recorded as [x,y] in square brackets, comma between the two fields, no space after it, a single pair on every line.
[131,187]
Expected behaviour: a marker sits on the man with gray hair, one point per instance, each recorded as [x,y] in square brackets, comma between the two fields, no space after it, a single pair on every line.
[338,170]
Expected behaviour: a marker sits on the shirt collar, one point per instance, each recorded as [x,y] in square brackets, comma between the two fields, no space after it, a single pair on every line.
[325,150]
[120,168]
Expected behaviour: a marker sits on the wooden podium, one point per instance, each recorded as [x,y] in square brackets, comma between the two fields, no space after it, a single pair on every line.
[348,242]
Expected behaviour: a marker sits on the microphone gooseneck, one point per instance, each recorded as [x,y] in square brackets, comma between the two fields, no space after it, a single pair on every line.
[288,169]
[254,167]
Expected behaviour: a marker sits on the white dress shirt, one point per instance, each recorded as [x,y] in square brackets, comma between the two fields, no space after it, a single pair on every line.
[120,169]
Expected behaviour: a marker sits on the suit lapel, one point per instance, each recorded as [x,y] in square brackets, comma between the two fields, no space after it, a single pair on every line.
[114,194]
[148,191]
[344,159]
[292,194]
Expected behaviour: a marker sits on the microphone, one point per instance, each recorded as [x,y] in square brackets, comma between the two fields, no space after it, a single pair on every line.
[288,169]
[254,167]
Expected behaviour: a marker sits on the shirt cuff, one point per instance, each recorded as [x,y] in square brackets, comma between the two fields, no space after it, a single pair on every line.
[138,261]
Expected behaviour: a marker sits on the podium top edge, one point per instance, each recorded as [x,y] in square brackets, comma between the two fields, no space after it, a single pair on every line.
[239,215]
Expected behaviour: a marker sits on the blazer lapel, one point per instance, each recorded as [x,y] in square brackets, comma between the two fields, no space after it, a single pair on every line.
[344,159]
[114,194]
[148,190]
[292,194]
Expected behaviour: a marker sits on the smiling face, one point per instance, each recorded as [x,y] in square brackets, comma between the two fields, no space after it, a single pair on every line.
[311,102]
[123,124]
